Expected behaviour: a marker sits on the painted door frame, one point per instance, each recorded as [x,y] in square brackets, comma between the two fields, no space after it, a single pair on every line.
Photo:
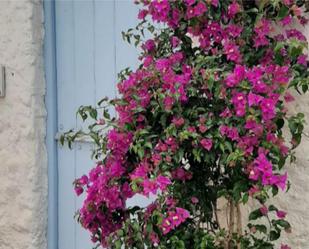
[51,13]
[51,122]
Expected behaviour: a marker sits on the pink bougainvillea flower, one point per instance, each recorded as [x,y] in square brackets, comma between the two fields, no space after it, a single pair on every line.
[149,45]
[161,146]
[168,102]
[194,11]
[189,2]
[303,20]
[231,50]
[233,30]
[156,158]
[280,74]
[175,41]
[127,190]
[280,214]
[287,2]
[260,41]
[233,9]
[206,143]
[162,65]
[239,101]
[173,22]
[215,3]
[194,200]
[163,182]
[178,121]
[182,213]
[254,99]
[84,180]
[280,181]
[202,128]
[268,108]
[264,210]
[176,57]
[142,14]
[288,97]
[78,190]
[262,29]
[285,247]
[294,33]
[230,132]
[181,174]
[236,77]
[302,60]
[296,10]
[139,172]
[253,190]
[149,186]
[154,238]
[191,129]
[116,169]
[148,60]
[286,20]
[172,143]
[262,168]
[226,113]
[159,9]
[255,127]
[174,219]
[166,226]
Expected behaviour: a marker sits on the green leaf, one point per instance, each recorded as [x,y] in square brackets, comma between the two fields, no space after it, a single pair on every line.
[272,208]
[283,223]
[245,198]
[255,214]
[283,12]
[118,244]
[274,235]
[261,228]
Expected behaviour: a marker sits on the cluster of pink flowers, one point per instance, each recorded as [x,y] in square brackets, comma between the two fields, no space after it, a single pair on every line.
[103,191]
[174,219]
[103,186]
[249,103]
[140,174]
[262,170]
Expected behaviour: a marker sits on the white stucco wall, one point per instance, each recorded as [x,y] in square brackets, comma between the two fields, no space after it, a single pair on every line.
[23,166]
[296,201]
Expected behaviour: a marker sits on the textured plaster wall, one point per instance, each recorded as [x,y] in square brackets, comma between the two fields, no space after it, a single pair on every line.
[23,166]
[296,201]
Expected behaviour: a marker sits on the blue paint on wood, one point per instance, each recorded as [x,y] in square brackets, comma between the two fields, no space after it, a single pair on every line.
[89,54]
[105,49]
[65,28]
[51,105]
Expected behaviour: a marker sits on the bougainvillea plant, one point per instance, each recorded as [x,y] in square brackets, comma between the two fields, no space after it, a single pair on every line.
[200,120]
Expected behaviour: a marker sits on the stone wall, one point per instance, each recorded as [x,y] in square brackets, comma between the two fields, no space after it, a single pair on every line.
[23,165]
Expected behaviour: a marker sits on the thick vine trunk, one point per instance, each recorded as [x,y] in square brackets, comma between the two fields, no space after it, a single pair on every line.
[234,224]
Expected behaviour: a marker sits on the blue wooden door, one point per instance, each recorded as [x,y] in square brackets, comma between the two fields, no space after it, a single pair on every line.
[90,52]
